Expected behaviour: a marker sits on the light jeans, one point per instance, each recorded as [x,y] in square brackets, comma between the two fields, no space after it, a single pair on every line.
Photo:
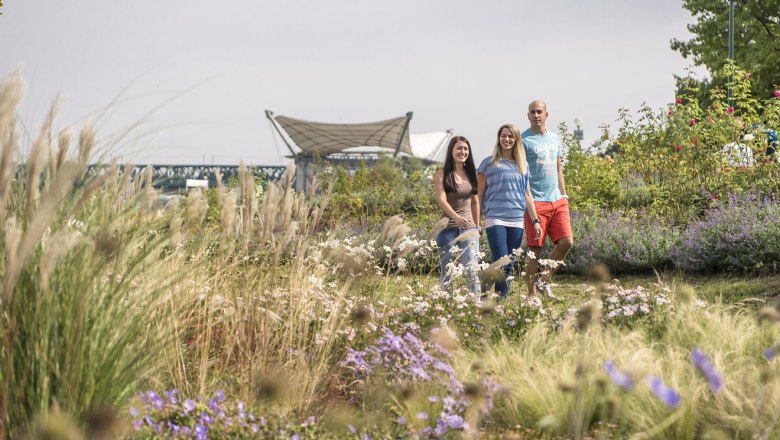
[468,251]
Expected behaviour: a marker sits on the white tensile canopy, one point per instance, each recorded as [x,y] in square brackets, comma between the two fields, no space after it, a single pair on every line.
[388,136]
[325,139]
[430,146]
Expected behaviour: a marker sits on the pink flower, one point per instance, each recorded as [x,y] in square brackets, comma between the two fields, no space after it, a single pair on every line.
[678,101]
[709,119]
[747,75]
[777,93]
[692,122]
[730,110]
[677,147]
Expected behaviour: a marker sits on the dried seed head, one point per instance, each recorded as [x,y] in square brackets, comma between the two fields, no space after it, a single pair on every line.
[586,315]
[477,366]
[445,337]
[102,421]
[87,141]
[407,391]
[686,293]
[440,225]
[568,386]
[269,388]
[599,273]
[58,426]
[107,244]
[487,308]
[473,390]
[360,314]
[768,314]
[59,245]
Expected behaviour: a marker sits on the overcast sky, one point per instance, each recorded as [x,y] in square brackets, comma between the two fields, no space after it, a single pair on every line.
[200,74]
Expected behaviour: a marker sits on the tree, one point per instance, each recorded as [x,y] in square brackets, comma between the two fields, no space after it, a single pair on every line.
[756,39]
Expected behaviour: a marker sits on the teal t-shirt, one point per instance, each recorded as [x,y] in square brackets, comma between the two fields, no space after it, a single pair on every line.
[542,152]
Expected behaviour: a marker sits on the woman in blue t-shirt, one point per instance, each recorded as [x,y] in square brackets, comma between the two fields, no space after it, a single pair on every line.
[502,188]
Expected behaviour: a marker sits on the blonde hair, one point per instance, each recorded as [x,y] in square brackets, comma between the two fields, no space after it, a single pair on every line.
[518,153]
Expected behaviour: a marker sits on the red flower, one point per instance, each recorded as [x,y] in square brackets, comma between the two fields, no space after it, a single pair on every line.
[677,147]
[678,101]
[669,113]
[715,197]
[730,110]
[692,122]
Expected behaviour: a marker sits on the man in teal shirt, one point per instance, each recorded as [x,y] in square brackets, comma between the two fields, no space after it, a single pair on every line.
[543,151]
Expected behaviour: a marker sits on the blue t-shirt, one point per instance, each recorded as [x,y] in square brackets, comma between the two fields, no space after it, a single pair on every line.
[504,197]
[542,152]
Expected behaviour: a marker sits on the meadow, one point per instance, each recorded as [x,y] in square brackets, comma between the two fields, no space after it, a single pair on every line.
[251,310]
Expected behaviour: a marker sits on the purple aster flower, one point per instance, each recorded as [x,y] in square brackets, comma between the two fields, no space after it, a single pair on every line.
[254,427]
[201,432]
[704,364]
[352,429]
[433,399]
[133,412]
[400,420]
[220,395]
[155,399]
[206,419]
[171,395]
[454,421]
[422,416]
[295,436]
[665,394]
[618,377]
[770,353]
[440,429]
[189,405]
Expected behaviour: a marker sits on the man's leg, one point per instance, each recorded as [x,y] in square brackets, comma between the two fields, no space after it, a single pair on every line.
[531,269]
[560,233]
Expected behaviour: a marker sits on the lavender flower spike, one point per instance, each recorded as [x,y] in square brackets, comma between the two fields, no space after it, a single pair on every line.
[665,394]
[770,353]
[618,377]
[704,364]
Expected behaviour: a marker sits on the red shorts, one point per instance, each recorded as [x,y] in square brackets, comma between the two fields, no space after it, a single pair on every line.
[554,220]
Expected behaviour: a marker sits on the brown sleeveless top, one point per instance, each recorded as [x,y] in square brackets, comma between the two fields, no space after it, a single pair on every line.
[460,202]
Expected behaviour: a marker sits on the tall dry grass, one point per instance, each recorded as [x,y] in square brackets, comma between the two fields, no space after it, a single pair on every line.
[555,380]
[86,305]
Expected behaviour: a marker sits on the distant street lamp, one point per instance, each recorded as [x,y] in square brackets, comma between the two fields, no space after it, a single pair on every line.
[578,133]
[731,47]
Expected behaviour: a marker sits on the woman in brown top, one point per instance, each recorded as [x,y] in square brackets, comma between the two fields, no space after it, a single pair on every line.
[456,193]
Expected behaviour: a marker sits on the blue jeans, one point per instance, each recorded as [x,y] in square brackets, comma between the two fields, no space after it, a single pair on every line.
[503,241]
[468,250]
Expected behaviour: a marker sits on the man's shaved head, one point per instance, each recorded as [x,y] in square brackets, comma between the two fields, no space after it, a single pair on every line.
[537,102]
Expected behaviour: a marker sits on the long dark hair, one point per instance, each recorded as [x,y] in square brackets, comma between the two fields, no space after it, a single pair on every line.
[449,167]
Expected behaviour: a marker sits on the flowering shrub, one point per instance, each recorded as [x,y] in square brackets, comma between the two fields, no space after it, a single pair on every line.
[168,416]
[405,362]
[621,241]
[740,234]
